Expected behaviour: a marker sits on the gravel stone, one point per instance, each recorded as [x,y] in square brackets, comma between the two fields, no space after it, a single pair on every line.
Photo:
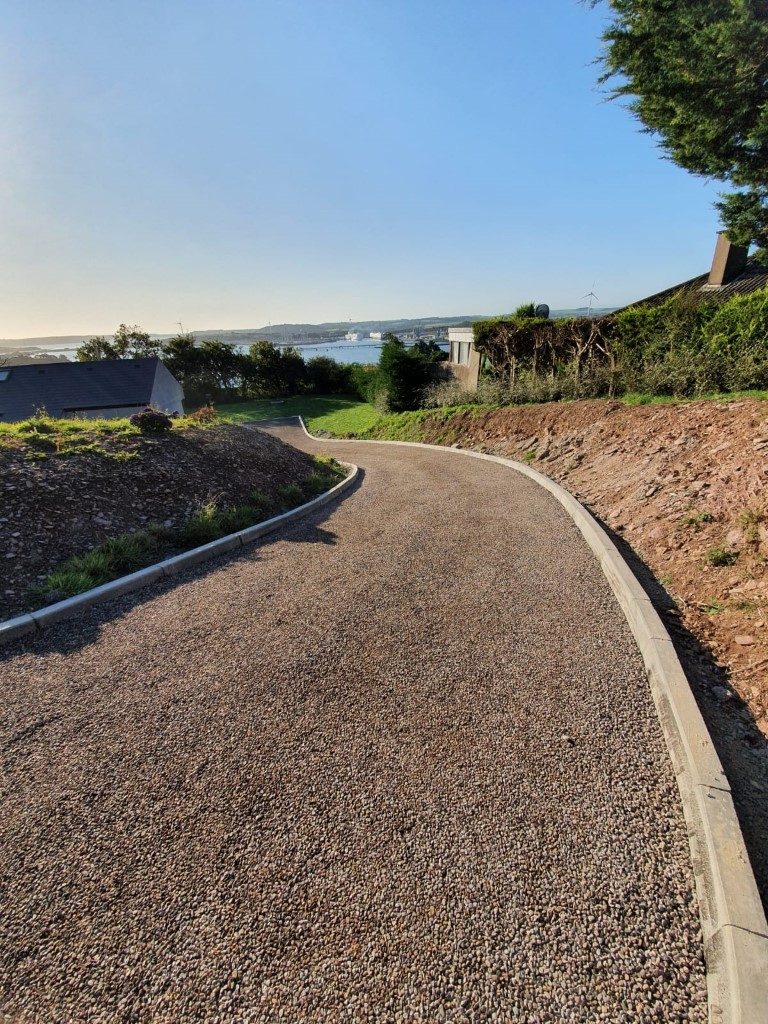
[398,763]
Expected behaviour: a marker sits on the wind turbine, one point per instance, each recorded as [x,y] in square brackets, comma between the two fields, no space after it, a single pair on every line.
[590,295]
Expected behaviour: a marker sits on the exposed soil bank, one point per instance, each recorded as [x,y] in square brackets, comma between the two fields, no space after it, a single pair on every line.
[677,483]
[55,507]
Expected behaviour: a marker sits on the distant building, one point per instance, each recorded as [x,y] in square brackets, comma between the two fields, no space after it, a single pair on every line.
[464,360]
[732,273]
[106,388]
[352,336]
[376,335]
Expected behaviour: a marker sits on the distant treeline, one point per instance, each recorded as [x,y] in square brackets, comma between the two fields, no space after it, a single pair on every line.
[216,371]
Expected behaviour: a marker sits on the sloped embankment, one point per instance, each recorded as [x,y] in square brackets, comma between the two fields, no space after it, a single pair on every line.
[57,506]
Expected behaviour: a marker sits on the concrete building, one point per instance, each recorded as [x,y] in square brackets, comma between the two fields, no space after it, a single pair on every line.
[464,361]
[104,388]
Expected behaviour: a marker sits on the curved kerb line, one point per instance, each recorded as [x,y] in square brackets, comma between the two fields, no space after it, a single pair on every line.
[733,922]
[23,625]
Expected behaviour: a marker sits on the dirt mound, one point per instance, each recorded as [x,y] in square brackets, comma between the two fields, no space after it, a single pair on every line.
[55,507]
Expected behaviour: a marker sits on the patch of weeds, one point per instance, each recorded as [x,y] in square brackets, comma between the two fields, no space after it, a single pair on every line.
[750,520]
[712,606]
[315,484]
[291,495]
[666,580]
[719,557]
[745,605]
[697,518]
[263,506]
[131,551]
[64,583]
[529,456]
[203,526]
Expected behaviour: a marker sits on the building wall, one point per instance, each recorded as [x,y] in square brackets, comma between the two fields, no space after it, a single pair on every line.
[167,393]
[464,360]
[107,413]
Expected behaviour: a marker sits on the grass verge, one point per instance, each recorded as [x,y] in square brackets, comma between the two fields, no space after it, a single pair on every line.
[336,414]
[129,552]
[42,436]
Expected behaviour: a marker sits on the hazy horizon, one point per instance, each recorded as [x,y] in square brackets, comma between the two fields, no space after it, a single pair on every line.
[314,162]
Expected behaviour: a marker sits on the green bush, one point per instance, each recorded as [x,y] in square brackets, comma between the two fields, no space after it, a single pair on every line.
[681,348]
[364,381]
[404,374]
[739,328]
[327,377]
[151,421]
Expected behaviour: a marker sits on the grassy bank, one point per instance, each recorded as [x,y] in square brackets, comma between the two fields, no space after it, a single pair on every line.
[129,552]
[42,436]
[337,414]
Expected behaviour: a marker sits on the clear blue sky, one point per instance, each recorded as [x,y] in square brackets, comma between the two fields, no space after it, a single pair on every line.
[231,162]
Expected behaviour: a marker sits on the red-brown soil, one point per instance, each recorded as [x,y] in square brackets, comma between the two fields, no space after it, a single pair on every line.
[54,507]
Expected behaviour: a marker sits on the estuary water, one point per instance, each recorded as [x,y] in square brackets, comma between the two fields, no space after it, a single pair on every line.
[341,351]
[350,351]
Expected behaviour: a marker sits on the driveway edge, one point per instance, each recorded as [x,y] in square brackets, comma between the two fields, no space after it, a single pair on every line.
[733,923]
[32,622]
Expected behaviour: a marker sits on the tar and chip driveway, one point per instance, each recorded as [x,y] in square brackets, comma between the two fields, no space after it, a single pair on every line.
[397,763]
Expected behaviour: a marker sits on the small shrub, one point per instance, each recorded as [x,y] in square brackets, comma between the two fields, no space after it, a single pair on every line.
[151,421]
[719,557]
[697,518]
[205,415]
[529,457]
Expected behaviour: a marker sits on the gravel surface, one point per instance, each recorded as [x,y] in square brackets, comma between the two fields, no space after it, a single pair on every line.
[398,764]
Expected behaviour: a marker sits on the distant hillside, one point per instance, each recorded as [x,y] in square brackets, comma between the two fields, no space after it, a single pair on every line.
[293,332]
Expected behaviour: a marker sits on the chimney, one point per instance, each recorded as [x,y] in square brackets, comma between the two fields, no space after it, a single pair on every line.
[729,261]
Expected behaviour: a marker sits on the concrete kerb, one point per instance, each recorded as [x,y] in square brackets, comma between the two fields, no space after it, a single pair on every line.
[733,923]
[24,625]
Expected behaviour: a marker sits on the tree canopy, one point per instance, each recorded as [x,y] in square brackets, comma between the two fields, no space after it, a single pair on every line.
[127,343]
[696,75]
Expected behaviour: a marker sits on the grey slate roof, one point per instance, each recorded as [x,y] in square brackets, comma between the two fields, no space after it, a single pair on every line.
[753,277]
[64,388]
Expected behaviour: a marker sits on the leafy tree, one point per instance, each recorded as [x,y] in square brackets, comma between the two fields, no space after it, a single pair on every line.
[262,370]
[430,350]
[403,374]
[292,370]
[95,348]
[134,343]
[182,358]
[327,377]
[696,75]
[127,343]
[221,366]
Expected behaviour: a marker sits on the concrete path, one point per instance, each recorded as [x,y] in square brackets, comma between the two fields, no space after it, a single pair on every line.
[397,764]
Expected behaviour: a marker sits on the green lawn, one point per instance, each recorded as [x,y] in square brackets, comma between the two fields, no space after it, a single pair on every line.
[334,413]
